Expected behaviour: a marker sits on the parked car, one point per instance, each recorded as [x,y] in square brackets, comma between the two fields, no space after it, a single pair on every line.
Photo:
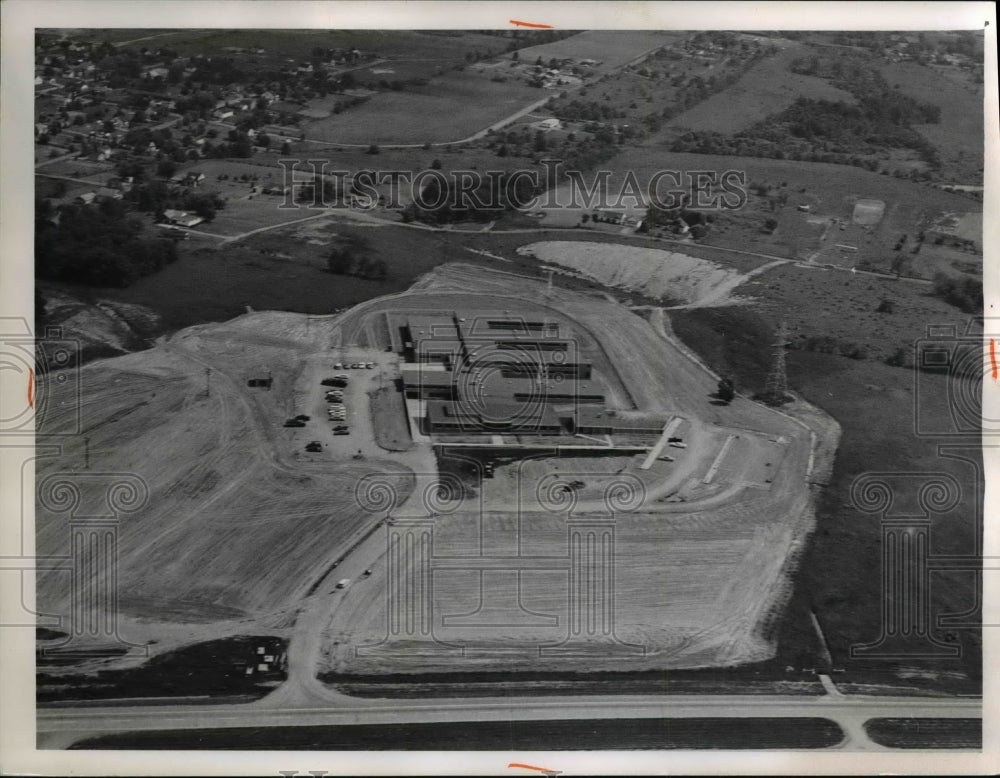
[370,365]
[302,417]
[341,432]
[295,423]
[314,446]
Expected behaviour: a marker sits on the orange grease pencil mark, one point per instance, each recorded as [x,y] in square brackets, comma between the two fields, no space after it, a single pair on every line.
[517,23]
[31,388]
[993,359]
[545,770]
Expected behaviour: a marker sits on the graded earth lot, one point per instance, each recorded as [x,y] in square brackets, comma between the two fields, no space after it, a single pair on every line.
[678,552]
[241,525]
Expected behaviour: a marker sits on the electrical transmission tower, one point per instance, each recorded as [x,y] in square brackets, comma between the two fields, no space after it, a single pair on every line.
[776,384]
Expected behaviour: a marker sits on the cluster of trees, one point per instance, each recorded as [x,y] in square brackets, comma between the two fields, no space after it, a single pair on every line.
[354,259]
[964,292]
[95,246]
[674,219]
[155,197]
[826,344]
[577,110]
[438,203]
[875,124]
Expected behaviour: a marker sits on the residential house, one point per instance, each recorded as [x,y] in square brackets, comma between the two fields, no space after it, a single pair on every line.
[182,218]
[107,193]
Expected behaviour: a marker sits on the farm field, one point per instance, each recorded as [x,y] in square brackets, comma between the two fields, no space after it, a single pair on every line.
[612,49]
[452,107]
[298,42]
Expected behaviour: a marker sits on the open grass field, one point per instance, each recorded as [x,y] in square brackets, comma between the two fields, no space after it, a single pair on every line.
[830,191]
[959,135]
[876,407]
[825,303]
[452,107]
[926,733]
[768,87]
[704,733]
[282,270]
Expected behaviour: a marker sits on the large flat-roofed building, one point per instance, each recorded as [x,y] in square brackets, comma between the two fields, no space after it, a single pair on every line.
[494,372]
[599,421]
[492,418]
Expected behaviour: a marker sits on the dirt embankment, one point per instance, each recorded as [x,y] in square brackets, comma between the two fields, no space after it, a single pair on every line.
[99,328]
[653,272]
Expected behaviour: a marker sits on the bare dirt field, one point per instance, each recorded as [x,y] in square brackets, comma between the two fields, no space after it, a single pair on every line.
[238,522]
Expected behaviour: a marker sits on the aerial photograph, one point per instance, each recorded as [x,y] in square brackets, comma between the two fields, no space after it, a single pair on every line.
[508,390]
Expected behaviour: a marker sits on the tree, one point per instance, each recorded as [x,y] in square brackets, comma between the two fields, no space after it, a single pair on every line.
[263,140]
[286,148]
[726,390]
[436,164]
[166,169]
[340,261]
[373,149]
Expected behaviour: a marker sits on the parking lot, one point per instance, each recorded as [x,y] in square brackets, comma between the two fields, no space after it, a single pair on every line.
[339,410]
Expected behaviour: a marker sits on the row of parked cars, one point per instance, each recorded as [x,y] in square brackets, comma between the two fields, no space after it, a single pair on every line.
[337,410]
[354,365]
